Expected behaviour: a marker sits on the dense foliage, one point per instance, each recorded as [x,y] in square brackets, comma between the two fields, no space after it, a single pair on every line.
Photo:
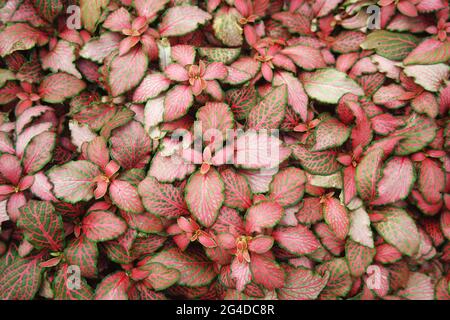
[342,193]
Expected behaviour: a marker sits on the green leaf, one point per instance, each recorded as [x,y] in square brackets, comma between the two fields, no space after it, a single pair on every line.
[322,163]
[329,85]
[418,132]
[302,284]
[391,45]
[269,112]
[73,181]
[195,269]
[63,291]
[330,133]
[91,11]
[83,253]
[227,28]
[340,282]
[225,55]
[160,277]
[367,174]
[113,287]
[39,152]
[48,9]
[20,279]
[242,100]
[430,77]
[359,257]
[430,51]
[398,229]
[42,227]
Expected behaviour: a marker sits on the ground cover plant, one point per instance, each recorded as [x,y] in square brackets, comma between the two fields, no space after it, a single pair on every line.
[224,149]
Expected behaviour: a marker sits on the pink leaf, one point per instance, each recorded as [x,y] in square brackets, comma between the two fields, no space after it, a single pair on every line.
[124,195]
[398,229]
[419,287]
[39,152]
[149,8]
[61,58]
[180,20]
[177,102]
[310,212]
[385,123]
[297,240]
[330,133]
[118,20]
[229,220]
[183,54]
[127,71]
[265,214]
[42,187]
[336,217]
[28,134]
[368,173]
[237,191]
[151,87]
[305,57]
[259,150]
[241,273]
[302,284]
[266,272]
[60,86]
[397,181]
[260,244]
[162,199]
[215,116]
[28,115]
[102,226]
[130,146]
[215,70]
[204,196]
[10,168]
[176,72]
[97,49]
[113,287]
[74,181]
[97,152]
[426,103]
[20,36]
[430,51]
[269,112]
[6,145]
[288,186]
[169,168]
[297,97]
[15,202]
[431,180]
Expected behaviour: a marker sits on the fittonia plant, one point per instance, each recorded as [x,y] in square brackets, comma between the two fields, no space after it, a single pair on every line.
[232,149]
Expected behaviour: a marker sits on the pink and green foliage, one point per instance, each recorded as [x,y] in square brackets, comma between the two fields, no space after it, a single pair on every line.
[245,149]
[41,226]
